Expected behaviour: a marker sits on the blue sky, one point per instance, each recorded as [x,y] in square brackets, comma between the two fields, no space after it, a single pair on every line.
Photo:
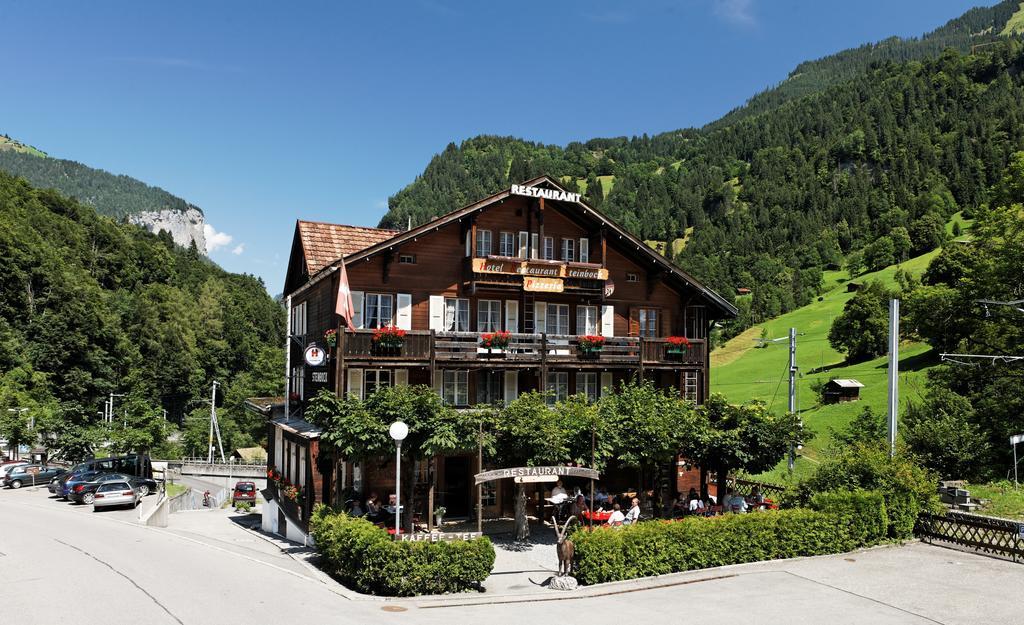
[265,112]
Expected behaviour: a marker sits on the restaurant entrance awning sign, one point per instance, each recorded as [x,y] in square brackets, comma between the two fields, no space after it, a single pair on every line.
[536,472]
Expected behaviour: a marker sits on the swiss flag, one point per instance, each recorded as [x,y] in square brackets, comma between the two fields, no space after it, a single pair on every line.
[344,306]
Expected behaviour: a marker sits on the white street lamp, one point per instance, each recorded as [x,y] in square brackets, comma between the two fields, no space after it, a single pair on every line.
[398,432]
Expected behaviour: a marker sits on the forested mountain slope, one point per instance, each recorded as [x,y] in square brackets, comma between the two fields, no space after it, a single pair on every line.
[867,170]
[89,307]
[118,196]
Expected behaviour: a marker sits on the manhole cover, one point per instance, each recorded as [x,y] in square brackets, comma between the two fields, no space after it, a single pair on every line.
[394,608]
[849,559]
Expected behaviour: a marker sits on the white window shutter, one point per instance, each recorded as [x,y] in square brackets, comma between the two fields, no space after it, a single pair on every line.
[401,377]
[523,239]
[437,312]
[511,316]
[355,383]
[534,241]
[540,315]
[607,321]
[357,309]
[404,317]
[607,386]
[511,385]
[584,250]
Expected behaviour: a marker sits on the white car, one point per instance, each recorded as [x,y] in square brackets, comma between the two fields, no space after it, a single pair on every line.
[115,493]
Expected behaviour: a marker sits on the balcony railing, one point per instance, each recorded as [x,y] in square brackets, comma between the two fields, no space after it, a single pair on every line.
[553,349]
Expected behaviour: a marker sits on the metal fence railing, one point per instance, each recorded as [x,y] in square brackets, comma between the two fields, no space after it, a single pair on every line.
[1000,537]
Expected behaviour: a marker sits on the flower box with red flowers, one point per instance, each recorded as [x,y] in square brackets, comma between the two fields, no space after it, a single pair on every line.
[677,346]
[497,341]
[331,337]
[591,344]
[388,340]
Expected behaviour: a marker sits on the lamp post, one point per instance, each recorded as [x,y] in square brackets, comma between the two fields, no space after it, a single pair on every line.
[398,432]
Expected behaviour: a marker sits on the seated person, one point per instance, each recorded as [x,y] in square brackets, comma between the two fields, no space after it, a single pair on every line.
[373,509]
[697,506]
[634,513]
[579,506]
[391,503]
[558,493]
[680,506]
[601,496]
[756,496]
[690,496]
[356,510]
[617,518]
[734,502]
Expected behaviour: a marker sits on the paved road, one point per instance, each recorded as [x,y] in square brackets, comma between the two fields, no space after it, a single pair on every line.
[205,569]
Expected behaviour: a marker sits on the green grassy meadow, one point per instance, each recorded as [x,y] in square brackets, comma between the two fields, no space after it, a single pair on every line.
[742,372]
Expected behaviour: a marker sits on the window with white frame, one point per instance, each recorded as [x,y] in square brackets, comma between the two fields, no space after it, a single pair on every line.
[584,250]
[490,387]
[549,248]
[690,385]
[456,314]
[648,322]
[586,384]
[375,379]
[557,386]
[299,319]
[568,250]
[298,375]
[507,244]
[587,321]
[488,315]
[557,319]
[455,388]
[483,243]
[379,310]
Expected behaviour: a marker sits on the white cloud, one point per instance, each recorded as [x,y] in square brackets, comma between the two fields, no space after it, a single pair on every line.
[735,11]
[216,240]
[238,249]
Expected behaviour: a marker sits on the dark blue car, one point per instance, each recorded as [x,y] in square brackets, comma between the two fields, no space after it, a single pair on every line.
[81,477]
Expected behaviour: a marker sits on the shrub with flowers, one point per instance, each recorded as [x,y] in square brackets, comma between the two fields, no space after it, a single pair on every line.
[591,343]
[284,486]
[388,336]
[678,344]
[331,337]
[495,340]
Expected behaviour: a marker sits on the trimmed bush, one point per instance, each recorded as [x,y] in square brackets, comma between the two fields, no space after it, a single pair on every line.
[843,521]
[365,557]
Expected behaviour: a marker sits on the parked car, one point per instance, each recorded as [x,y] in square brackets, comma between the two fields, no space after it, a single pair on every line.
[31,475]
[10,464]
[115,493]
[244,492]
[76,479]
[85,492]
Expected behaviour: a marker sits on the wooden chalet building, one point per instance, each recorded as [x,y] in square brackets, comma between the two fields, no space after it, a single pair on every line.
[533,260]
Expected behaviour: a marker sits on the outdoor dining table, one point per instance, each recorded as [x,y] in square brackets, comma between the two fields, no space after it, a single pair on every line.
[600,515]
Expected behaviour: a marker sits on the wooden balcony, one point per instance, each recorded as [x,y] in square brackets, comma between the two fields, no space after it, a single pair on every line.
[463,348]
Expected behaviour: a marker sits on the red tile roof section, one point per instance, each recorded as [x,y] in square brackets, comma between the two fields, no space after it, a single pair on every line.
[324,243]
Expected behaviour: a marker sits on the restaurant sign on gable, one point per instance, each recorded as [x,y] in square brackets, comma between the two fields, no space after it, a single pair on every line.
[548,194]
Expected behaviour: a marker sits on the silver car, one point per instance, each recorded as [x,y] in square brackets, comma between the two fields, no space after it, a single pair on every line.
[115,493]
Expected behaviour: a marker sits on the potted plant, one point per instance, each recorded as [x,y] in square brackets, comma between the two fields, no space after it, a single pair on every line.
[591,345]
[495,341]
[439,513]
[331,337]
[388,340]
[677,346]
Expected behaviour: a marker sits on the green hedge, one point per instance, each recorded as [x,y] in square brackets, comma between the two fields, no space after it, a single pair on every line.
[363,556]
[843,521]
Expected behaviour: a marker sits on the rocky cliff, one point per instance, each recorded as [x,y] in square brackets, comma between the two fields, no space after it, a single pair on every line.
[185,227]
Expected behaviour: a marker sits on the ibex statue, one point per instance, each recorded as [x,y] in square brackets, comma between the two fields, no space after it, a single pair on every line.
[566,549]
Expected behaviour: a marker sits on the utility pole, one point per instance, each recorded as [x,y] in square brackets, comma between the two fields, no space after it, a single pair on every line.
[894,371]
[214,426]
[110,406]
[792,390]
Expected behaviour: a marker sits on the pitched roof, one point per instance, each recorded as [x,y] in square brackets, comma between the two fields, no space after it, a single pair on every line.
[323,243]
[846,383]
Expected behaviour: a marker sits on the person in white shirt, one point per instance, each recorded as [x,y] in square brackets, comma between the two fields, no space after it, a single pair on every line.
[634,513]
[558,493]
[734,502]
[697,505]
[617,518]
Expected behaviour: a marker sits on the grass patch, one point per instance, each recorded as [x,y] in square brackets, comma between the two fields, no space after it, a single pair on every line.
[173,490]
[1007,501]
[742,372]
[1015,24]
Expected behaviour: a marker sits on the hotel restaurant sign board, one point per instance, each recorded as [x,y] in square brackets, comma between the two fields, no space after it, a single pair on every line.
[547,194]
[532,473]
[538,269]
